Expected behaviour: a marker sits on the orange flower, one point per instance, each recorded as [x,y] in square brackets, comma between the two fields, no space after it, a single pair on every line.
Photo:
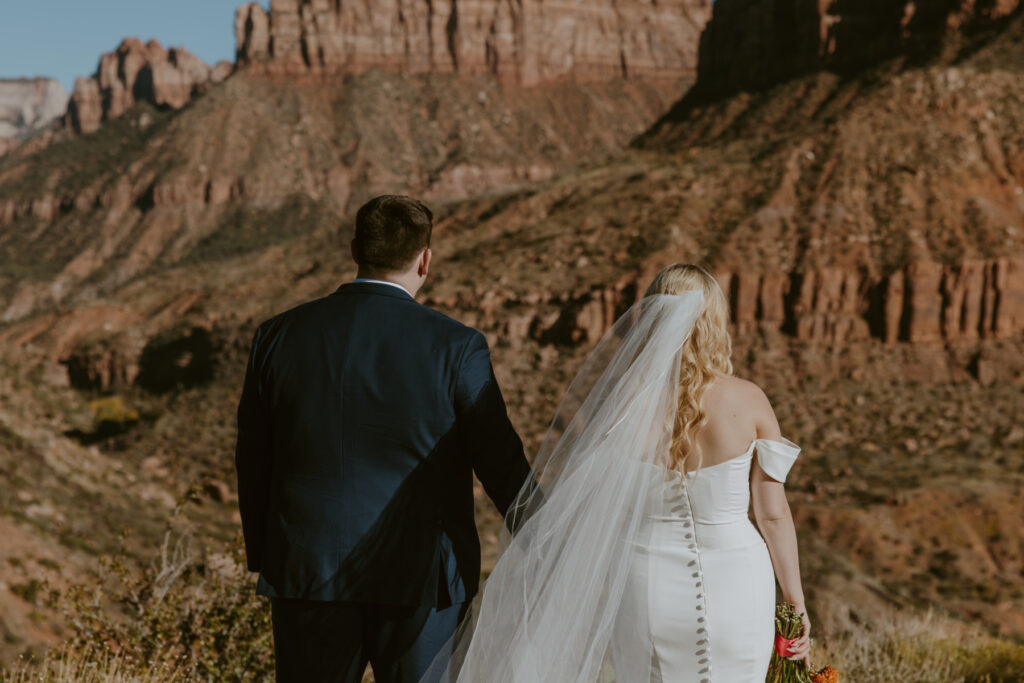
[826,675]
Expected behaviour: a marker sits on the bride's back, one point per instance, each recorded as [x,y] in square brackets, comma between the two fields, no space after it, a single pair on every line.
[736,410]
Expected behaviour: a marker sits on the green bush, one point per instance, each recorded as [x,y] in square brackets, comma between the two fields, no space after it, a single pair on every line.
[110,413]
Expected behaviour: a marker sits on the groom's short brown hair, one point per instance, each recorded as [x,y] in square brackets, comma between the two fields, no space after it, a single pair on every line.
[390,230]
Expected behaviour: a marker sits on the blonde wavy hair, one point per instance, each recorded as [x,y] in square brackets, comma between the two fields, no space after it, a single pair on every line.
[707,351]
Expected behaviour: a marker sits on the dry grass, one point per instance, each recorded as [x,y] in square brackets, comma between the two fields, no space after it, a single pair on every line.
[93,666]
[899,646]
[924,648]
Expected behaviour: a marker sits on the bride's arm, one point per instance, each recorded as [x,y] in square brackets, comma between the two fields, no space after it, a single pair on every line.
[775,521]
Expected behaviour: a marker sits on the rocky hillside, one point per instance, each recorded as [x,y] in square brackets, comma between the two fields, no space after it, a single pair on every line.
[898,194]
[865,223]
[255,161]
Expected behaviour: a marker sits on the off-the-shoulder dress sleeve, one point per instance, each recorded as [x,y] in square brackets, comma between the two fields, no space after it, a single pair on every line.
[776,457]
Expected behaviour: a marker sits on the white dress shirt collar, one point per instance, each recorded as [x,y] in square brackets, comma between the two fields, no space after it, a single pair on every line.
[383,282]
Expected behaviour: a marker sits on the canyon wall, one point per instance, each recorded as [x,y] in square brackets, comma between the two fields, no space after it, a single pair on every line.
[750,44]
[525,42]
[922,303]
[138,72]
[922,307]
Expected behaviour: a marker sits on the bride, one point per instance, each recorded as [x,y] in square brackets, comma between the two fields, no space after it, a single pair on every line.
[635,559]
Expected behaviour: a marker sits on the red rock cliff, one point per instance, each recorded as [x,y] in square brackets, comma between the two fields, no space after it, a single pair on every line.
[138,72]
[923,303]
[525,42]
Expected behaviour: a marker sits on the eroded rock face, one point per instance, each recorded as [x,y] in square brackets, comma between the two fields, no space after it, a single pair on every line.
[138,72]
[91,369]
[526,42]
[753,43]
[922,303]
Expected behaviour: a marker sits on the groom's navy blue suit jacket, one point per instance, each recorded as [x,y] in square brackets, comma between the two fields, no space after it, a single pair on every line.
[362,419]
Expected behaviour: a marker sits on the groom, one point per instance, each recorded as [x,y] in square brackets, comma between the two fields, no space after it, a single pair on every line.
[363,417]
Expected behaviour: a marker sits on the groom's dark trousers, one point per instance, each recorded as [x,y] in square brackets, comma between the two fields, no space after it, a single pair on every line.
[363,417]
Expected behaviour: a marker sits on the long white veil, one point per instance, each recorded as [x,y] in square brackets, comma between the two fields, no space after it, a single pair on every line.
[550,610]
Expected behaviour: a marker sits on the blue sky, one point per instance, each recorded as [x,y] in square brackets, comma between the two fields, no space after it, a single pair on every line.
[63,39]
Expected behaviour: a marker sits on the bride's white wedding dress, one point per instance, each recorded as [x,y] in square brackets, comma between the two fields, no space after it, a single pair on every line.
[620,569]
[701,572]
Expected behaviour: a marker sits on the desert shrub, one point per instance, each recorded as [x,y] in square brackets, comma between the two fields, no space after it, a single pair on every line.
[183,618]
[111,414]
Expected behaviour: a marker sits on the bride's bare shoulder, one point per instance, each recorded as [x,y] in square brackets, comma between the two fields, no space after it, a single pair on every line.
[742,393]
[739,389]
[751,399]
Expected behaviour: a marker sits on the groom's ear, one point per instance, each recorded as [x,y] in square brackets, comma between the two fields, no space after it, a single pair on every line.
[424,266]
[352,250]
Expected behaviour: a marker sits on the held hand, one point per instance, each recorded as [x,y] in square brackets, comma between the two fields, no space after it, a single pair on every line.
[801,647]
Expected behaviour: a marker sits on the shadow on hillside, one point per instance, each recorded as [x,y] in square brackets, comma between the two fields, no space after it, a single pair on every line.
[181,362]
[753,45]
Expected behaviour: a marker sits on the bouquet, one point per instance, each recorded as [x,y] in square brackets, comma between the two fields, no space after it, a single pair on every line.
[788,627]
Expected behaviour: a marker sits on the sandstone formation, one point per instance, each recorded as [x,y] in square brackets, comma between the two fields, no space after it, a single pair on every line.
[924,306]
[923,303]
[749,44]
[524,42]
[920,303]
[26,106]
[137,72]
